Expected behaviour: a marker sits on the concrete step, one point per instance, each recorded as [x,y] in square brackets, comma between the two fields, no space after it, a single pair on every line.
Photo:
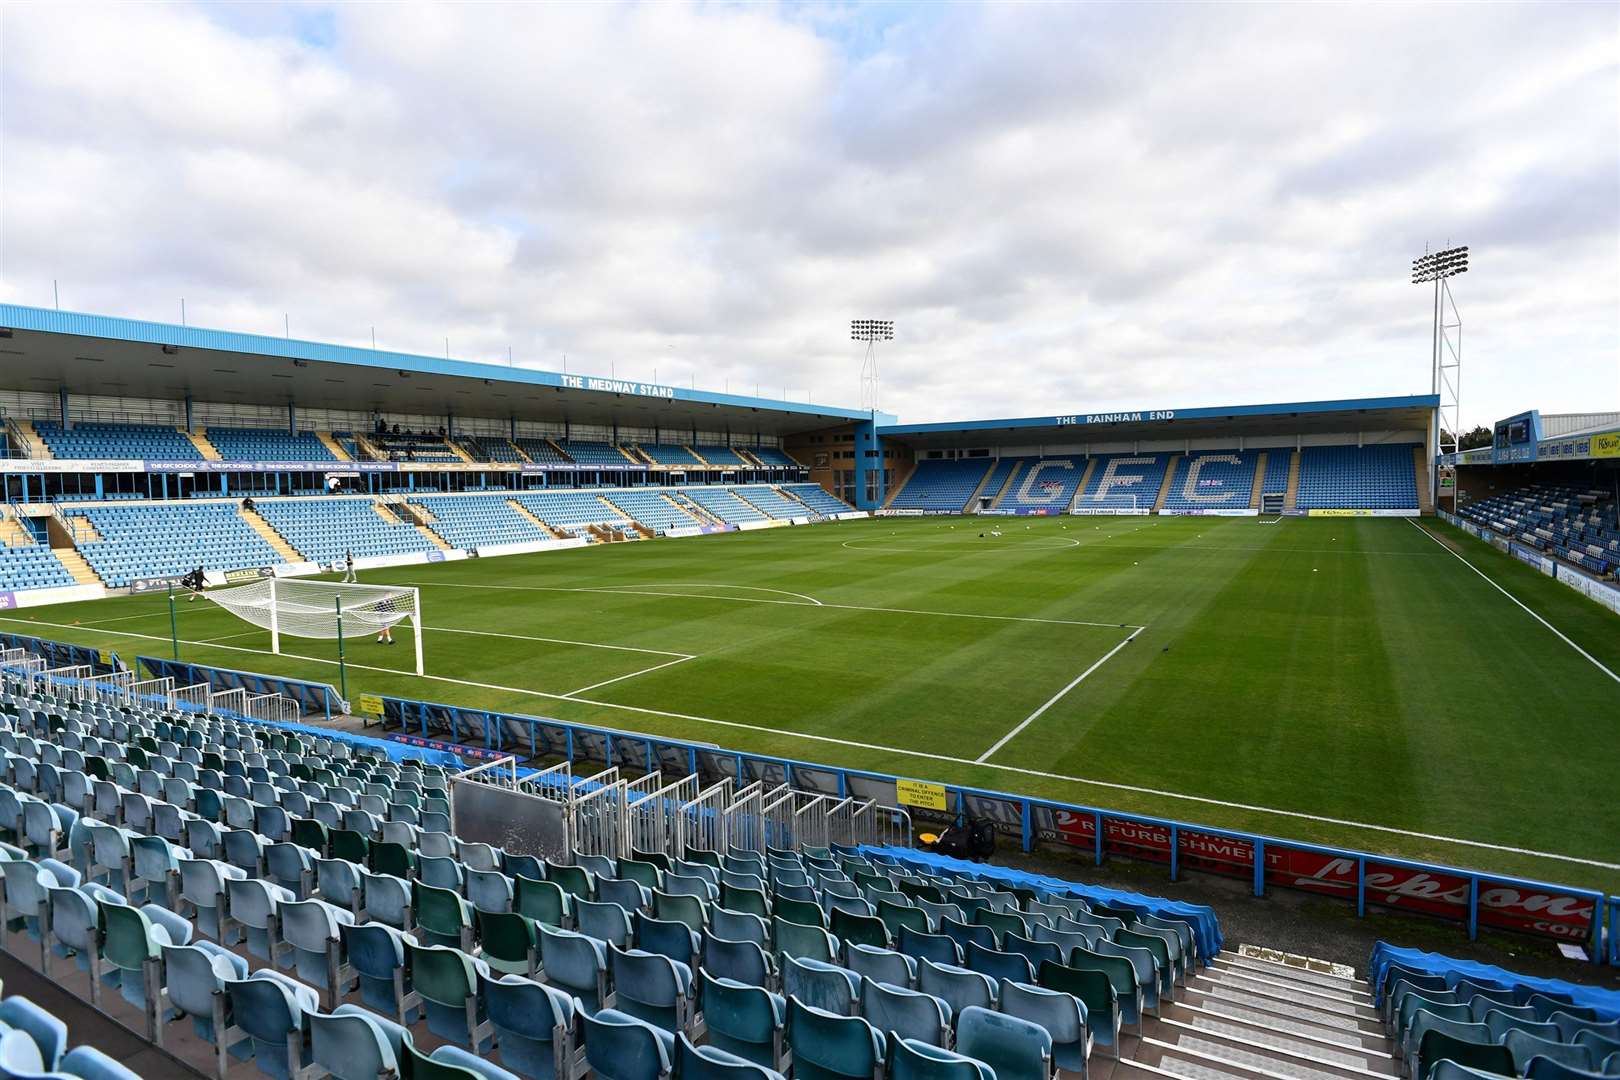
[1284,1015]
[1267,1041]
[1300,968]
[1227,1058]
[1370,1046]
[1317,996]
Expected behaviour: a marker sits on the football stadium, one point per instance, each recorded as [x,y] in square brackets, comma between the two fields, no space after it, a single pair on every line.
[422,659]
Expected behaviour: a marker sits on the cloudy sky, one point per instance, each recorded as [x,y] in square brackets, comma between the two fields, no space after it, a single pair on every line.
[1063,207]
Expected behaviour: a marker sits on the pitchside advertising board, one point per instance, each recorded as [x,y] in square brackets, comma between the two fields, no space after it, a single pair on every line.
[1507,906]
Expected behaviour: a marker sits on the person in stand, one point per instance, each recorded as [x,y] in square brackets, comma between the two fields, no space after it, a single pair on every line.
[348,567]
[248,504]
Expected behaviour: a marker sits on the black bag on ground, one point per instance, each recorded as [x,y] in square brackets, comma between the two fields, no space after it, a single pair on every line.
[982,839]
[952,842]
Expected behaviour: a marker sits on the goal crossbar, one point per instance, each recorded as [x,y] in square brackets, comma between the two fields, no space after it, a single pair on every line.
[323,609]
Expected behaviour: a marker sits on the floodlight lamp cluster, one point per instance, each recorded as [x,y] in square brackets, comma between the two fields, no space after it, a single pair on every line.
[1440,264]
[871,329]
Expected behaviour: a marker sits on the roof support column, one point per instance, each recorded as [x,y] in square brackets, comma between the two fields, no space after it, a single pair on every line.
[188,413]
[62,404]
[292,419]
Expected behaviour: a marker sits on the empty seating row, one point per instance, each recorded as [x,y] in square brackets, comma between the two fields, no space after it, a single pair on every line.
[144,442]
[1215,479]
[32,566]
[1124,482]
[941,485]
[1476,1020]
[722,504]
[265,444]
[326,530]
[1382,477]
[816,498]
[468,522]
[167,540]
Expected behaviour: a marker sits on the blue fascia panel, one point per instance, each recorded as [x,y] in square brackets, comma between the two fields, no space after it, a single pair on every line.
[50,321]
[1167,416]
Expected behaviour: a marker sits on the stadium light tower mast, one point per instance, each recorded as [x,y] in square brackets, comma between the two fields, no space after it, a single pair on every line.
[1445,349]
[870,331]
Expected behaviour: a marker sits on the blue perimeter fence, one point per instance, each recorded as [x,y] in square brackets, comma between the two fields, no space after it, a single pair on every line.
[1473,898]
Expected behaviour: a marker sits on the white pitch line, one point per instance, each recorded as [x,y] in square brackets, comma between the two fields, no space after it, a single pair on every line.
[632,675]
[921,755]
[627,591]
[1055,698]
[705,585]
[558,641]
[1560,634]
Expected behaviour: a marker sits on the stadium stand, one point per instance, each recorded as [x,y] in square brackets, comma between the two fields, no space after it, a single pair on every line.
[719,455]
[1457,1019]
[772,457]
[941,484]
[542,452]
[263,444]
[339,860]
[722,504]
[1357,477]
[670,454]
[1208,480]
[816,498]
[1124,482]
[157,540]
[1047,483]
[652,509]
[595,453]
[431,448]
[1279,461]
[28,566]
[325,530]
[766,500]
[498,450]
[997,479]
[1577,525]
[470,521]
[571,510]
[145,442]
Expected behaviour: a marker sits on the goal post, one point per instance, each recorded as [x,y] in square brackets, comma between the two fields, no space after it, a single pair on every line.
[289,607]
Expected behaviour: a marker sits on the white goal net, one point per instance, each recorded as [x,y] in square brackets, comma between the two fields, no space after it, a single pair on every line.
[322,609]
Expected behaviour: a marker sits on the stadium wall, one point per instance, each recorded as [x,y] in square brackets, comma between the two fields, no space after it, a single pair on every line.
[1177,446]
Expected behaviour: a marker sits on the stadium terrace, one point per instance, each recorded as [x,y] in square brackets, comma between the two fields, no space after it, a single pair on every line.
[713,712]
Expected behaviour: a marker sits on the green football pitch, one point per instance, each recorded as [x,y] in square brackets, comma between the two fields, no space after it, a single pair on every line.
[1372,683]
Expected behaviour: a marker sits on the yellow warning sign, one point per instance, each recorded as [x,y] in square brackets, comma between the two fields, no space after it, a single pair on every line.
[370,705]
[921,795]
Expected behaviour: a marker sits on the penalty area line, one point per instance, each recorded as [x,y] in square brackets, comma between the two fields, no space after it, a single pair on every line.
[1055,698]
[920,755]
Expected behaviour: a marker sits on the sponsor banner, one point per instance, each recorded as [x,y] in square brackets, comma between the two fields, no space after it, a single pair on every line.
[1606,445]
[899,513]
[297,569]
[154,584]
[798,521]
[8,600]
[52,465]
[1346,512]
[1098,511]
[1591,587]
[699,530]
[1295,513]
[248,574]
[940,513]
[338,468]
[488,550]
[916,793]
[435,555]
[997,513]
[852,515]
[1511,906]
[617,466]
[1533,558]
[1210,512]
[747,526]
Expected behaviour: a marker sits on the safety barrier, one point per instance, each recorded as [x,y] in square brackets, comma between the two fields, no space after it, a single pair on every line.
[312,697]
